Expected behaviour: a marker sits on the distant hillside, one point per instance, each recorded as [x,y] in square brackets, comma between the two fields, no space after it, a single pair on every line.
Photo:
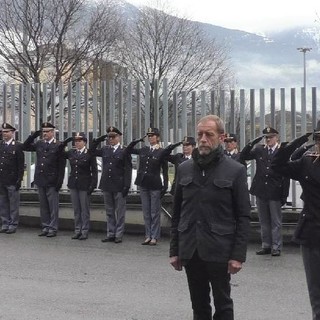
[271,61]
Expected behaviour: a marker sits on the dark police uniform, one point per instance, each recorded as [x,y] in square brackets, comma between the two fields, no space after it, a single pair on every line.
[234,154]
[115,183]
[151,163]
[178,158]
[306,170]
[11,176]
[271,190]
[48,177]
[82,181]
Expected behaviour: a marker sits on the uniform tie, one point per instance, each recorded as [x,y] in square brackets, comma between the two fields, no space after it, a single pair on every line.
[270,151]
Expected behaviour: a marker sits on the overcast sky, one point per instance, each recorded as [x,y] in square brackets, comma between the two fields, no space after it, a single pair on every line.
[248,15]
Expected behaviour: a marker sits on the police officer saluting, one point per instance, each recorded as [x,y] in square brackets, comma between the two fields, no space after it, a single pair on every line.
[115,182]
[82,181]
[11,175]
[48,176]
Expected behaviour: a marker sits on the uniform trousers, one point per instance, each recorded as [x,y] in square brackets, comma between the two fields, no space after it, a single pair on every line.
[311,261]
[80,202]
[49,208]
[270,216]
[115,205]
[151,205]
[201,275]
[9,207]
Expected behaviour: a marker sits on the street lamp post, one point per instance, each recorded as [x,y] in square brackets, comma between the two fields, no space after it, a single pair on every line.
[304,50]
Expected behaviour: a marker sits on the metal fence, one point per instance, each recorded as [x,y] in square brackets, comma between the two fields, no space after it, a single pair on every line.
[132,107]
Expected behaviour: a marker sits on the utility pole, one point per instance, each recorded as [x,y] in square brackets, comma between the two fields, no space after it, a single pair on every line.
[304,50]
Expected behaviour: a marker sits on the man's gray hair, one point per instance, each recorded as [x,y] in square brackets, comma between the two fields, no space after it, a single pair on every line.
[216,119]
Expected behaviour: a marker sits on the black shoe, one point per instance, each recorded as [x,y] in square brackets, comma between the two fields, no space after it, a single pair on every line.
[43,233]
[118,240]
[108,239]
[10,231]
[76,236]
[146,242]
[83,237]
[51,234]
[276,253]
[4,230]
[153,242]
[263,251]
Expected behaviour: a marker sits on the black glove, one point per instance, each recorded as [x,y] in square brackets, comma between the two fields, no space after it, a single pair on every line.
[90,190]
[58,187]
[18,185]
[100,139]
[125,191]
[135,141]
[163,192]
[173,146]
[65,142]
[36,134]
[256,140]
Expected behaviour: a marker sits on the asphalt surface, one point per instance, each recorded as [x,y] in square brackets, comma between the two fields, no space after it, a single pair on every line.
[60,278]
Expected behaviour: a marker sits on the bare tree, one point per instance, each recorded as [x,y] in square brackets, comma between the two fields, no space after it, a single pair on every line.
[55,40]
[160,45]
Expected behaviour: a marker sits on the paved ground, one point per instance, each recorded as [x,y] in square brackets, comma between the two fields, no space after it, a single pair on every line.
[66,279]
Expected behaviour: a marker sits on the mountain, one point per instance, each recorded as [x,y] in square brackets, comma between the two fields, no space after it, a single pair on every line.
[271,61]
[266,61]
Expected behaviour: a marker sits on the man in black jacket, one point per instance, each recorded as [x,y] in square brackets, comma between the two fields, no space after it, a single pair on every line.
[210,223]
[270,188]
[306,170]
[11,176]
[48,176]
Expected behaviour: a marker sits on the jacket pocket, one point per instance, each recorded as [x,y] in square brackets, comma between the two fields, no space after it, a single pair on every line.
[183,226]
[222,184]
[186,180]
[222,229]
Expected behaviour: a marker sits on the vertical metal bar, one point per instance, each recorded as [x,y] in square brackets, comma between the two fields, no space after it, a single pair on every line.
[203,104]
[213,109]
[78,108]
[95,109]
[103,108]
[314,107]
[20,110]
[86,109]
[175,114]
[283,131]
[37,100]
[252,115]
[262,111]
[165,112]
[120,106]
[25,132]
[53,103]
[303,111]
[193,114]
[184,113]
[156,104]
[128,135]
[61,111]
[147,105]
[293,136]
[232,112]
[13,103]
[70,110]
[112,106]
[242,120]
[139,116]
[44,103]
[273,108]
[222,106]
[5,103]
